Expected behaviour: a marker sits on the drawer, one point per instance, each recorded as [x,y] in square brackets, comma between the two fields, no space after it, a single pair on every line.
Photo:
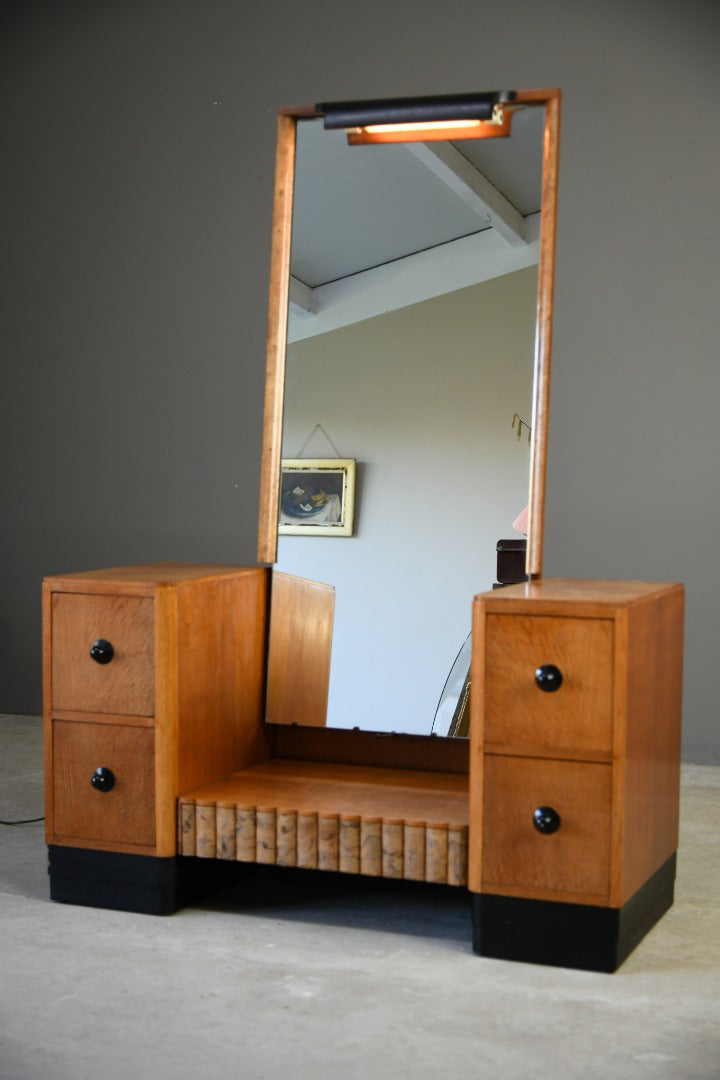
[573,861]
[124,814]
[578,716]
[125,684]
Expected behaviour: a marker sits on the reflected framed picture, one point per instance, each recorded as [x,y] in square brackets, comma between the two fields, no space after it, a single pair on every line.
[317,497]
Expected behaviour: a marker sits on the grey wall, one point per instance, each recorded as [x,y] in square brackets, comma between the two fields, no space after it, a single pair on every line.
[135,260]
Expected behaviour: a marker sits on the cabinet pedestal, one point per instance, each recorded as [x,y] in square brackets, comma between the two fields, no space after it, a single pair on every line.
[569,935]
[123,882]
[575,766]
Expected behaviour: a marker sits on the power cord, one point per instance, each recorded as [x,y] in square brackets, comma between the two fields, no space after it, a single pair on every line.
[24,821]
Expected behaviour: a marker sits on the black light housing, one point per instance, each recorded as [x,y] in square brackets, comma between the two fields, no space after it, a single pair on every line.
[358,114]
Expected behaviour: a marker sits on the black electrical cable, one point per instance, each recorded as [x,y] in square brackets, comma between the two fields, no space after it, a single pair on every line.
[24,821]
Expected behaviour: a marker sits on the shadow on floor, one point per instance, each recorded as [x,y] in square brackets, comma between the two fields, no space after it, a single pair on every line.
[348,900]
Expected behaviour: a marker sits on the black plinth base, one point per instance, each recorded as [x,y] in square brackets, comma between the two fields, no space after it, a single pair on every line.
[569,935]
[141,883]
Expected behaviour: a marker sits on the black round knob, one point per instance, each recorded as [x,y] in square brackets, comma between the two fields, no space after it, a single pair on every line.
[103,779]
[546,820]
[548,678]
[102,651]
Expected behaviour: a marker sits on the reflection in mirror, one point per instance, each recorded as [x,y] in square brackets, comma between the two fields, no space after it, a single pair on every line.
[411,339]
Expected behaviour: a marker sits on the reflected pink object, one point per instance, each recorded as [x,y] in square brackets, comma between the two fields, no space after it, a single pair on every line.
[521,521]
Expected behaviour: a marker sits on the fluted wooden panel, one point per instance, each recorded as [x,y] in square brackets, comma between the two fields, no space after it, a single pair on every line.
[325,841]
[394,823]
[225,832]
[371,847]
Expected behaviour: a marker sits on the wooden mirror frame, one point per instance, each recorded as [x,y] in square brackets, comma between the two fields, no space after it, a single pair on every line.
[278,310]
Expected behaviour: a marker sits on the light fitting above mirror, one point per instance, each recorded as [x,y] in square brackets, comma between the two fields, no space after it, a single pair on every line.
[479,116]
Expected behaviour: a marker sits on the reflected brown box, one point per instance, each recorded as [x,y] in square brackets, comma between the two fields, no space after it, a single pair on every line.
[511,556]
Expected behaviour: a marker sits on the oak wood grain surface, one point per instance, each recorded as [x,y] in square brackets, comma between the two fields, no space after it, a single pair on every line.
[299,650]
[84,816]
[126,684]
[605,745]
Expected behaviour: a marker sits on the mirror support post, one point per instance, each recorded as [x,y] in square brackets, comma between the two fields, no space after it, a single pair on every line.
[543,337]
[276,338]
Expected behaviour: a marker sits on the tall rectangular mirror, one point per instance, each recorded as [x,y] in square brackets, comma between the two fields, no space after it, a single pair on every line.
[409,331]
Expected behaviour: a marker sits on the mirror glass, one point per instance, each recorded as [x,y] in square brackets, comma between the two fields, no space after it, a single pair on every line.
[411,328]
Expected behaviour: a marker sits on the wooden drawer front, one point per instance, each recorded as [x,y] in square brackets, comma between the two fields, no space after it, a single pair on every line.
[125,685]
[124,815]
[517,858]
[576,717]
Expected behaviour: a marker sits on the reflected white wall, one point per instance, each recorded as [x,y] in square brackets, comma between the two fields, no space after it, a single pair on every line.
[441,476]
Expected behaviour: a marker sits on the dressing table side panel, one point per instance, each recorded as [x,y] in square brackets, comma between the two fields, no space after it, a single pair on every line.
[648,742]
[221,639]
[476,771]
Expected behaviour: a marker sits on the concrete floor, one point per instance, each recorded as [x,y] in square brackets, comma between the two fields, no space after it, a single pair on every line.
[327,985]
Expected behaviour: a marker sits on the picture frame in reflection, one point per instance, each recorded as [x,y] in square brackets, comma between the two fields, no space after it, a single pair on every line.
[317,497]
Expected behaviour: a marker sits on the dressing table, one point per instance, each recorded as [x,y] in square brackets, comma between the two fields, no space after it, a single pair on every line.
[187,707]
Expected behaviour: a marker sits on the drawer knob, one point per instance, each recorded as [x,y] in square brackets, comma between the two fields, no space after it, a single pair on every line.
[102,651]
[548,677]
[103,779]
[546,820]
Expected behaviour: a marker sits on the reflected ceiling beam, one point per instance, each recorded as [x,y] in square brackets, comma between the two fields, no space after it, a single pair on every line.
[412,280]
[300,298]
[473,188]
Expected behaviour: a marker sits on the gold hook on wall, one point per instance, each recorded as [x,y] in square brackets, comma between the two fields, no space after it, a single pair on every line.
[519,423]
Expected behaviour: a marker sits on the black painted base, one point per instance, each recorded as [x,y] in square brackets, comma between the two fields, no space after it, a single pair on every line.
[124,882]
[569,935]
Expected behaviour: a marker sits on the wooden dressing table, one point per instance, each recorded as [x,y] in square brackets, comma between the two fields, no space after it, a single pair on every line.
[559,813]
[564,802]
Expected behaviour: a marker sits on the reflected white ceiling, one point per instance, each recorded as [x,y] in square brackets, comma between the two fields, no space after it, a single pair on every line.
[365,214]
